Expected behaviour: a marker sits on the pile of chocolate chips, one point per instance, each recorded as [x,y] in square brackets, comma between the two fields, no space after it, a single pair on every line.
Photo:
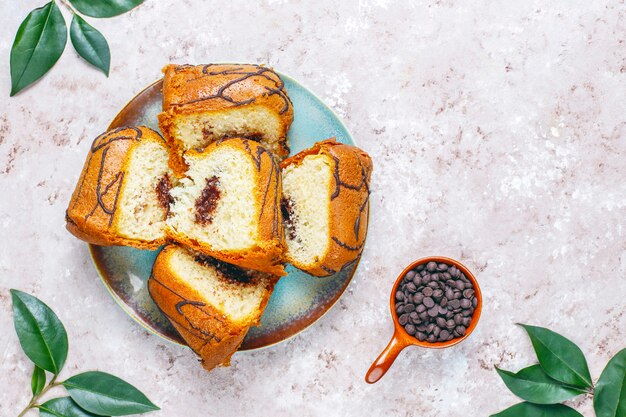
[435,302]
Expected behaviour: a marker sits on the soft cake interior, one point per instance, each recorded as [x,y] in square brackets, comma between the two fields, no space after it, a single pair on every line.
[240,301]
[305,206]
[197,130]
[142,210]
[215,204]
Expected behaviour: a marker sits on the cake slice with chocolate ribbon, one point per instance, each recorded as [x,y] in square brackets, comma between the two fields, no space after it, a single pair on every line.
[122,195]
[210,303]
[325,206]
[206,103]
[227,205]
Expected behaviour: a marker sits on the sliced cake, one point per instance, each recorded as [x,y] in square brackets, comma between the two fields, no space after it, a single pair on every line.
[205,103]
[210,303]
[325,206]
[122,195]
[227,205]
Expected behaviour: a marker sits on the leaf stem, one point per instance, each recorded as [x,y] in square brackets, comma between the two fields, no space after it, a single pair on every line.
[69,6]
[33,401]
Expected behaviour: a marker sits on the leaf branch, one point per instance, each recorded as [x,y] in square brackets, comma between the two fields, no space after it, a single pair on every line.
[69,6]
[33,402]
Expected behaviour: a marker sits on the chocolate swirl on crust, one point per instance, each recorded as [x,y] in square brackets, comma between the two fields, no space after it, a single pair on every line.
[103,143]
[362,184]
[345,266]
[184,302]
[257,157]
[240,74]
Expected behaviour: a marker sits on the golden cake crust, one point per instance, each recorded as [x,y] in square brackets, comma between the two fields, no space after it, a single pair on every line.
[207,331]
[268,254]
[349,205]
[92,210]
[189,89]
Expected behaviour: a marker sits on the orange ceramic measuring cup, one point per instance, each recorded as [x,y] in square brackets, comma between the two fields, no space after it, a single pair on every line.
[402,339]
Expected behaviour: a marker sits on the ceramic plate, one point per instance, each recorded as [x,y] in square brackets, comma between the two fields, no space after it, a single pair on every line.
[298,299]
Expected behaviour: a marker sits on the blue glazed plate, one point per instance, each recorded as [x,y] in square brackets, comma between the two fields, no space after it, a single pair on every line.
[298,299]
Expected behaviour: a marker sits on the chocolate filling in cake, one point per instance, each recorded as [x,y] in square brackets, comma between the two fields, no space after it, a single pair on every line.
[163,194]
[228,271]
[207,202]
[286,208]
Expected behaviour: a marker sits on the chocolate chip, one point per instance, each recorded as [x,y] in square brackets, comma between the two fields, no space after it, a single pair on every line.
[435,302]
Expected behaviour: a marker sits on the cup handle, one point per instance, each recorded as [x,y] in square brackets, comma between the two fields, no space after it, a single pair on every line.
[384,361]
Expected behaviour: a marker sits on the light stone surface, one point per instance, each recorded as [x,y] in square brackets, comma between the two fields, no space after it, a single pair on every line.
[497,131]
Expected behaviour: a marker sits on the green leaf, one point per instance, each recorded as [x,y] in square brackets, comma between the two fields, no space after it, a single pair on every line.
[90,44]
[105,394]
[559,357]
[533,385]
[38,45]
[104,8]
[38,380]
[41,333]
[62,407]
[536,410]
[609,399]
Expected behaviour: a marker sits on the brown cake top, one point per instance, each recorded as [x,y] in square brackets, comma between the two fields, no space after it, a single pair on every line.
[217,86]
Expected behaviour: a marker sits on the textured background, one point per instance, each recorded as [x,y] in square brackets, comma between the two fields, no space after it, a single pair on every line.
[497,131]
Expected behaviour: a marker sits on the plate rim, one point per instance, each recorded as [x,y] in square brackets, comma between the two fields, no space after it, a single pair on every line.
[132,314]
